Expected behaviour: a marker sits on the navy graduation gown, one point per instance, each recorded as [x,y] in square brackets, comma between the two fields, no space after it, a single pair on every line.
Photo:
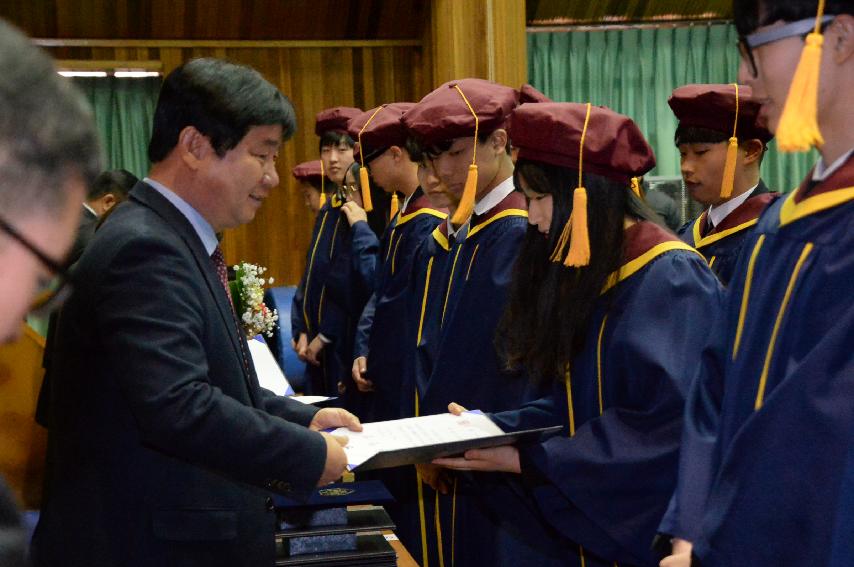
[770,416]
[383,325]
[479,269]
[722,245]
[466,366]
[348,285]
[306,305]
[344,261]
[605,481]
[383,341]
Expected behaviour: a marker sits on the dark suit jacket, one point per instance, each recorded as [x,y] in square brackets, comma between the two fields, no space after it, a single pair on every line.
[162,449]
[85,231]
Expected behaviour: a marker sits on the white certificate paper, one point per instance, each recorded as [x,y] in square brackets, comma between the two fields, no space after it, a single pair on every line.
[269,373]
[440,429]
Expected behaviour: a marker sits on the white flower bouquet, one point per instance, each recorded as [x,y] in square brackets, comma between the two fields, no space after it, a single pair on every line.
[247,292]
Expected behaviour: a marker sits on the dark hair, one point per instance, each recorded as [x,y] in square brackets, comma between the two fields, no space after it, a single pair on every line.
[416,147]
[221,100]
[47,133]
[335,138]
[119,182]
[698,135]
[747,12]
[413,148]
[549,305]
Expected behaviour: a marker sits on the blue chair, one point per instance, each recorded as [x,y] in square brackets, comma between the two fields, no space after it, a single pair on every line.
[280,298]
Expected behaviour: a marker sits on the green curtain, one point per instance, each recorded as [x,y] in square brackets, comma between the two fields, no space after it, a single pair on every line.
[124,110]
[633,71]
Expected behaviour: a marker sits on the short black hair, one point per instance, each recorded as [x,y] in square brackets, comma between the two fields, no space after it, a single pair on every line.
[335,138]
[416,147]
[752,14]
[222,100]
[47,132]
[698,135]
[119,182]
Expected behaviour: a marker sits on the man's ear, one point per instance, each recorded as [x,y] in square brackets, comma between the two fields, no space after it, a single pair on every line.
[753,150]
[843,46]
[499,141]
[396,153]
[108,201]
[193,146]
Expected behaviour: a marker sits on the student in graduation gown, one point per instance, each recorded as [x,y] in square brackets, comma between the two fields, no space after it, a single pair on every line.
[379,355]
[721,145]
[460,127]
[347,286]
[375,393]
[769,422]
[309,176]
[336,155]
[604,325]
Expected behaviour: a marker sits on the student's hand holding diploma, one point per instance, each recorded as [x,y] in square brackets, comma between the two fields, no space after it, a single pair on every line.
[501,459]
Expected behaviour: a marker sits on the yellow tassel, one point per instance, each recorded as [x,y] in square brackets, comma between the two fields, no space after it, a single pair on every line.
[798,128]
[466,206]
[395,206]
[728,181]
[557,255]
[322,200]
[579,243]
[636,188]
[365,183]
[322,181]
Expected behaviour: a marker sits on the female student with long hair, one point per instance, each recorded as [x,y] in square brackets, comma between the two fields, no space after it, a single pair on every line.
[604,304]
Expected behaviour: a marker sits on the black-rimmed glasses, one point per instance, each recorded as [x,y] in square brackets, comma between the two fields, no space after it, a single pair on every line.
[52,294]
[747,43]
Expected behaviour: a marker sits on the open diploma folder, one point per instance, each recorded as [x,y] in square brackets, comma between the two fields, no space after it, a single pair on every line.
[386,444]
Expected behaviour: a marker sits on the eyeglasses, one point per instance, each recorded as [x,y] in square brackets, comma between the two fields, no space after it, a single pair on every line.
[53,293]
[747,43]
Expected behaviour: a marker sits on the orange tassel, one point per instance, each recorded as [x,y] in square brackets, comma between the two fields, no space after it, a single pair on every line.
[579,244]
[728,181]
[557,255]
[395,207]
[365,183]
[636,188]
[466,206]
[322,200]
[798,128]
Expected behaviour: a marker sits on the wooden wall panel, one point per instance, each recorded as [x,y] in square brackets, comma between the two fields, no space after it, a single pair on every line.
[313,78]
[218,19]
[478,38]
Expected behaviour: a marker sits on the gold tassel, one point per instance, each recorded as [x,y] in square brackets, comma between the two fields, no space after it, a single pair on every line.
[364,180]
[322,200]
[798,128]
[322,183]
[466,206]
[728,181]
[395,206]
[636,188]
[579,243]
[557,255]
[365,183]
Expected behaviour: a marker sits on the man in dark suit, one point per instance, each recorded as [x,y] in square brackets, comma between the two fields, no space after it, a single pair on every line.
[162,447]
[48,155]
[109,189]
